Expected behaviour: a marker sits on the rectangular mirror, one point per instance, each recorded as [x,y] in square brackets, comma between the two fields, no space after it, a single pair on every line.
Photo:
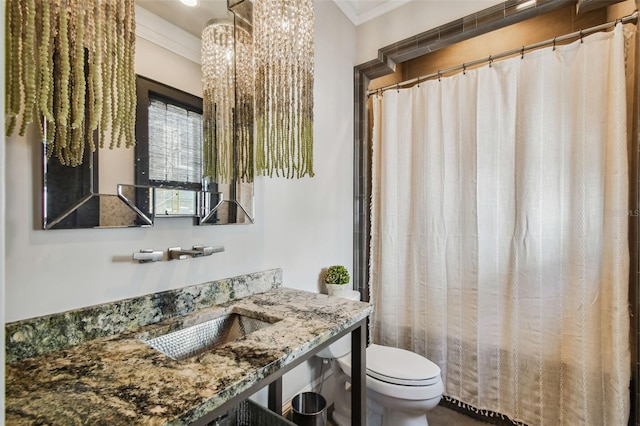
[133,187]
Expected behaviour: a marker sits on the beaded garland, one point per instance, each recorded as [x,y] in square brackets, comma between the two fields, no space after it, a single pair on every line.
[283,34]
[76,75]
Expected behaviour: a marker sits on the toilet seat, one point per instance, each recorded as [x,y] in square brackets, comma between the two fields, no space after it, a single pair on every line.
[412,393]
[400,367]
[399,373]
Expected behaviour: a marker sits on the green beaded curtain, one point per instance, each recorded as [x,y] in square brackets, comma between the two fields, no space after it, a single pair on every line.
[69,64]
[283,33]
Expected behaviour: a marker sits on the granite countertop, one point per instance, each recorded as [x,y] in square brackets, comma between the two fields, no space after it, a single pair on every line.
[121,380]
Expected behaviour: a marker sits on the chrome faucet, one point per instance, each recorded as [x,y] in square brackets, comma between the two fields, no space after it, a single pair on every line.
[178,253]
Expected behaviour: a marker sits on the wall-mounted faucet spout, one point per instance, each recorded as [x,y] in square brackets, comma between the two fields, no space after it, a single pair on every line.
[178,253]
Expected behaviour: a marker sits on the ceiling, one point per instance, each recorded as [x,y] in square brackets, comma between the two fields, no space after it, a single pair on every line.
[194,19]
[190,19]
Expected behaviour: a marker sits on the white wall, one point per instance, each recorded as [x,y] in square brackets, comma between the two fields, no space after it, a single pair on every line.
[411,19]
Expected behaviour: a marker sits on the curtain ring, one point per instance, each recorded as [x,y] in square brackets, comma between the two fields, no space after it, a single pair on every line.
[398,87]
[418,85]
[439,76]
[464,69]
[522,53]
[554,44]
[490,61]
[581,37]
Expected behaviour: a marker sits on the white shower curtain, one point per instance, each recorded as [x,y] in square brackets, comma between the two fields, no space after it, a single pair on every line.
[499,232]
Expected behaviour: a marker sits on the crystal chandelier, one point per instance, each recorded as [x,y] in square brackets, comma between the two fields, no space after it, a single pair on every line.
[283,32]
[227,73]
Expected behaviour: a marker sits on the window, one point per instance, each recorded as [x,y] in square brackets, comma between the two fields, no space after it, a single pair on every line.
[169,146]
[175,144]
[168,137]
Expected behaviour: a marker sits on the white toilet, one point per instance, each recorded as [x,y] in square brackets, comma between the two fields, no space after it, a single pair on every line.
[401,385]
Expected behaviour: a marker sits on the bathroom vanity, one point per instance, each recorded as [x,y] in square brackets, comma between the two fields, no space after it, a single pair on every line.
[99,365]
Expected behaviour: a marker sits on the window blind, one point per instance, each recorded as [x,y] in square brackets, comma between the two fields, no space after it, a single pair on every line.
[175,143]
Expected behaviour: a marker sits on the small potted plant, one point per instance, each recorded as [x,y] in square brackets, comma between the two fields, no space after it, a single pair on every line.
[336,279]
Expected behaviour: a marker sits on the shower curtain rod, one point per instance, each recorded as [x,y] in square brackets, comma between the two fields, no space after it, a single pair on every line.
[629,18]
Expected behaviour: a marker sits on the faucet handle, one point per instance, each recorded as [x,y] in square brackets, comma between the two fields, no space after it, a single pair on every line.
[208,250]
[147,255]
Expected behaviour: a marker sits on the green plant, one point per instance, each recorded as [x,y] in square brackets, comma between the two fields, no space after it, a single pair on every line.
[336,274]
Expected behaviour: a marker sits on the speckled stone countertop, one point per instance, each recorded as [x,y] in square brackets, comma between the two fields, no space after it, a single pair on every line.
[120,380]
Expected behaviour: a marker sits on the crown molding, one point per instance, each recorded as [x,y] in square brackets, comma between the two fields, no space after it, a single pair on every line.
[352,9]
[158,31]
[348,8]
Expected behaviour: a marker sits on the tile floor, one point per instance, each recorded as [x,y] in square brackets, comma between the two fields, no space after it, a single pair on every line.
[442,416]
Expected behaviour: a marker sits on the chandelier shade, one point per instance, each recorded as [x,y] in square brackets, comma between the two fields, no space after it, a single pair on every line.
[228,78]
[69,65]
[283,33]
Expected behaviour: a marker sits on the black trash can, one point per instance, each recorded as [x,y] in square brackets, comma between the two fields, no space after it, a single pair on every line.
[309,409]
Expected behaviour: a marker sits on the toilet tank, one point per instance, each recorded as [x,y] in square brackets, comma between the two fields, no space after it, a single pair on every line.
[342,346]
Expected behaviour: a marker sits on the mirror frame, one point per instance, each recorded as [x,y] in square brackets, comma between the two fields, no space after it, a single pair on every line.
[68,192]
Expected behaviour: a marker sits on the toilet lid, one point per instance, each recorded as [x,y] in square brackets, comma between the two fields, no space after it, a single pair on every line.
[401,367]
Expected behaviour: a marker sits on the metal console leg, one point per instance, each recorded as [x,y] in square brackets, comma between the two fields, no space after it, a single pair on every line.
[275,396]
[358,375]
